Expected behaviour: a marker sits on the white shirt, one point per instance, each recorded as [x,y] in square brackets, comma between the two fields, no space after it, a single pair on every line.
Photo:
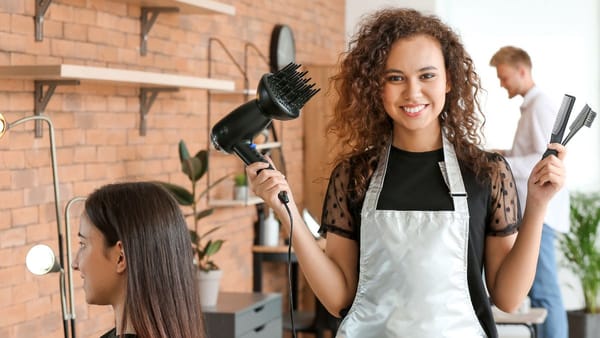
[532,136]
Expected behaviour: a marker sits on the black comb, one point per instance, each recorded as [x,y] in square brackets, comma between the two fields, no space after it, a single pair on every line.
[585,118]
[562,118]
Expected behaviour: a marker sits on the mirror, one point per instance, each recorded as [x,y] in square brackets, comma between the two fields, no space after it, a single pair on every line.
[282,49]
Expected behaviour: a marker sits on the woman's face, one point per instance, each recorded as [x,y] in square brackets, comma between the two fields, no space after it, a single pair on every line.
[101,268]
[415,86]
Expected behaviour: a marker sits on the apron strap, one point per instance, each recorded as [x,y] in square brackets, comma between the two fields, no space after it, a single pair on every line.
[452,176]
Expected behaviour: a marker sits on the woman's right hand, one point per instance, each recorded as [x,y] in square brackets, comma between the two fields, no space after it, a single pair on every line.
[267,184]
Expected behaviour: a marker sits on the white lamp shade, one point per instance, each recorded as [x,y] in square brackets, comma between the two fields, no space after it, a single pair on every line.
[3,125]
[41,260]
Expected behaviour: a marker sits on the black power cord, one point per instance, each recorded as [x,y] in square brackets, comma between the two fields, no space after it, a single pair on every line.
[289,262]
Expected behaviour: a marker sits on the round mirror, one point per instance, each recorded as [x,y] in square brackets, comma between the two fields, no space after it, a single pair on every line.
[282,49]
[41,260]
[3,125]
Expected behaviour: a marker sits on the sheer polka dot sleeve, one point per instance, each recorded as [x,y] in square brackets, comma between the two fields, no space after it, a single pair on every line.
[505,208]
[337,217]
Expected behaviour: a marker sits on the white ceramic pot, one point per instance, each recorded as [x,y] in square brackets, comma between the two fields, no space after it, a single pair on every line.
[240,193]
[208,283]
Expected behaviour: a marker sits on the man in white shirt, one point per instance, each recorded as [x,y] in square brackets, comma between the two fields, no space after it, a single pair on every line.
[538,112]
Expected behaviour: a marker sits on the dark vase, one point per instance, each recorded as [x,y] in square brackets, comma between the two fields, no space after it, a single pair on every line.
[583,324]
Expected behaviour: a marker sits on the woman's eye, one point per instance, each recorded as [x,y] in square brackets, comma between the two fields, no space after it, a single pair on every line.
[428,76]
[394,78]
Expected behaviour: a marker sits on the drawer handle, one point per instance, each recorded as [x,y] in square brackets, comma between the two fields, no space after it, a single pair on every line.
[260,308]
[260,328]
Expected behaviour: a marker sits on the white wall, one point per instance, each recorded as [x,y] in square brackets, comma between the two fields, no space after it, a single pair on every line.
[563,39]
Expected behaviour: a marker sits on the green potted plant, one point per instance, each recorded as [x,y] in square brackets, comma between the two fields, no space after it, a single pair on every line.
[195,167]
[581,250]
[240,188]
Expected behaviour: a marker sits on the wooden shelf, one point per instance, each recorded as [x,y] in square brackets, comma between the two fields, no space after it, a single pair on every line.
[188,6]
[235,203]
[111,75]
[268,145]
[248,92]
[48,77]
[150,11]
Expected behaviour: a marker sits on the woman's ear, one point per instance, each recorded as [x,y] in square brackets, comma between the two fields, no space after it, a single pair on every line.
[121,260]
[448,85]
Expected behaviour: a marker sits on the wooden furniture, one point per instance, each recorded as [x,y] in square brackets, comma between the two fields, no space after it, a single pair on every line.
[150,9]
[529,319]
[48,77]
[244,315]
[261,253]
[316,322]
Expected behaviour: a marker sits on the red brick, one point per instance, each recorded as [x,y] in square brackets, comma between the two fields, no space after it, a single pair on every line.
[25,216]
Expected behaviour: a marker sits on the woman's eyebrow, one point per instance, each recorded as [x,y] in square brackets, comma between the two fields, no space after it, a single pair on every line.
[392,70]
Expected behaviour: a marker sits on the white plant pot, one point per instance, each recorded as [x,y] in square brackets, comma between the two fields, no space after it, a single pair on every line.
[208,283]
[240,193]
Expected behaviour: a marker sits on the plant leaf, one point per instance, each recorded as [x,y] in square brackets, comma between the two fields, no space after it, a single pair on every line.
[184,154]
[204,213]
[195,167]
[181,194]
[210,231]
[200,165]
[213,247]
[194,238]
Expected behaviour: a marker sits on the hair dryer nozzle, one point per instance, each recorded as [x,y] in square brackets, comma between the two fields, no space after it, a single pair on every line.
[281,95]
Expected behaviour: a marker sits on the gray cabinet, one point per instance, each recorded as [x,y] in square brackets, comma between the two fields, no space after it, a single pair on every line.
[244,315]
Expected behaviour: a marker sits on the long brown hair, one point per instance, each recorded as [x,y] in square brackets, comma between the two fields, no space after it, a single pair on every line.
[359,118]
[162,299]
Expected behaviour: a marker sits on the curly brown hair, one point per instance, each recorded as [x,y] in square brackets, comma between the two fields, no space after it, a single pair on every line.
[360,121]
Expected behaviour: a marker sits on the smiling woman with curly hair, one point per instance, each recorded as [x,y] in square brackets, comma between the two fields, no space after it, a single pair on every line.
[415,210]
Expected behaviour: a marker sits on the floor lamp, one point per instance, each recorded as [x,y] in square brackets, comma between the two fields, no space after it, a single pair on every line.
[41,259]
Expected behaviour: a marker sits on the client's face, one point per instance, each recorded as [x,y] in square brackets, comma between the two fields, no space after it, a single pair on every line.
[98,264]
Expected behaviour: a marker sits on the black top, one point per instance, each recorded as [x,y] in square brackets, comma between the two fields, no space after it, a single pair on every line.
[113,334]
[413,181]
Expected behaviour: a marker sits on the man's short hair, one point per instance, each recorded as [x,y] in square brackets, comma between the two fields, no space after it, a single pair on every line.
[510,55]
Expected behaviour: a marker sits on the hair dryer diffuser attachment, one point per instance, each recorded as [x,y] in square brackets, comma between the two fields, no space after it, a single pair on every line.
[281,95]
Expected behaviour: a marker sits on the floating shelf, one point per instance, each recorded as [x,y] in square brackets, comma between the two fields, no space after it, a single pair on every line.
[188,6]
[121,76]
[47,77]
[247,92]
[235,203]
[154,6]
[268,145]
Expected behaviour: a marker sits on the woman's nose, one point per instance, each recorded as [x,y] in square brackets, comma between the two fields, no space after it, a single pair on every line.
[75,263]
[412,89]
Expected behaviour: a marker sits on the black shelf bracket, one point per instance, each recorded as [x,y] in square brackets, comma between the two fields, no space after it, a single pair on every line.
[147,20]
[42,97]
[147,97]
[41,6]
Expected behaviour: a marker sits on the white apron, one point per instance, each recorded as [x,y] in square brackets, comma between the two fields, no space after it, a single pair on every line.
[413,267]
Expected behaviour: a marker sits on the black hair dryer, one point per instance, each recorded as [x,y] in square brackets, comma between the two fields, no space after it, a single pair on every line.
[281,95]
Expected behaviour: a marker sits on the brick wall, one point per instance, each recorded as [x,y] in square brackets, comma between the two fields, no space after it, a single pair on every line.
[97,130]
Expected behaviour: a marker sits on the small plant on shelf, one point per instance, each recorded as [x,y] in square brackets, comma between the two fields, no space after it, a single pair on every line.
[195,167]
[240,180]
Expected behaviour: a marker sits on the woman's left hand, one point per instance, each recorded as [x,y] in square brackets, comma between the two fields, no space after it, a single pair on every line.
[547,177]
